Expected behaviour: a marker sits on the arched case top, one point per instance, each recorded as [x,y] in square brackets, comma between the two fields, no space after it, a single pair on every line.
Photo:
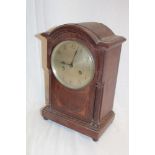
[97,33]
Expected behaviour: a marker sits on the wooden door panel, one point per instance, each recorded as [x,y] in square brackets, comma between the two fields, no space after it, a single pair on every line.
[77,103]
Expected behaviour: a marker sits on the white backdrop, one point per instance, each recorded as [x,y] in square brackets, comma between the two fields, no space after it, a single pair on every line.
[47,137]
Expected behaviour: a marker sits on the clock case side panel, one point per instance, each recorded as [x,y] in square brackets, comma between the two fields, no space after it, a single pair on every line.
[106,84]
[110,71]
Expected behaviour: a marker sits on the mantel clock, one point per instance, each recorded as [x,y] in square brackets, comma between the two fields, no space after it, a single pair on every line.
[82,60]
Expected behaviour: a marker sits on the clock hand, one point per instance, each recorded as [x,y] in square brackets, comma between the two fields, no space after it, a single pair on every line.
[64,63]
[71,64]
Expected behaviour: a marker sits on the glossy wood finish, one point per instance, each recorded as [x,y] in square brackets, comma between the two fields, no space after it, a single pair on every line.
[89,109]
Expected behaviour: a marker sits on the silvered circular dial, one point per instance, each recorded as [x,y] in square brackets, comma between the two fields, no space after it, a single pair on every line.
[72,64]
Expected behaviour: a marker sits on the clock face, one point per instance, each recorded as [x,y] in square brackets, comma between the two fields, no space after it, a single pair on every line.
[72,64]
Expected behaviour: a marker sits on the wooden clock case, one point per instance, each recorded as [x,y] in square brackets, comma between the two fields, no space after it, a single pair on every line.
[87,110]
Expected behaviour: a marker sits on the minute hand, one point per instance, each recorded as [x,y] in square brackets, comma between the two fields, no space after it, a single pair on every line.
[71,64]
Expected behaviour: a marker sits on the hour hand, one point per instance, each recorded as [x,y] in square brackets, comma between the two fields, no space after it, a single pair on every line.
[64,63]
